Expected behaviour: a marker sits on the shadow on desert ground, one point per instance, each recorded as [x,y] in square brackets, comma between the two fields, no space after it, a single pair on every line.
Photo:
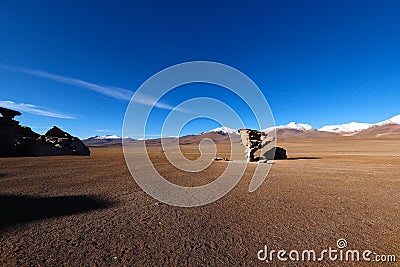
[17,209]
[290,158]
[297,158]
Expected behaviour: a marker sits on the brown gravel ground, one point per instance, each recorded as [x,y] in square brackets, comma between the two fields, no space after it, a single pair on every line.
[88,211]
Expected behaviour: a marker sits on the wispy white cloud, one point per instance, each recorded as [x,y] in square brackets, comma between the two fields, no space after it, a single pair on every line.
[114,92]
[149,101]
[110,91]
[29,108]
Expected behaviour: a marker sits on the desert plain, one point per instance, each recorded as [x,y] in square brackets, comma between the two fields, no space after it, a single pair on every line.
[89,211]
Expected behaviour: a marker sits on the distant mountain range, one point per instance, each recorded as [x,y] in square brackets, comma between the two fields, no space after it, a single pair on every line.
[291,130]
[106,140]
[352,128]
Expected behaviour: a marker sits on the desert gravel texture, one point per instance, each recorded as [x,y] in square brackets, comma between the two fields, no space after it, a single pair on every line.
[88,211]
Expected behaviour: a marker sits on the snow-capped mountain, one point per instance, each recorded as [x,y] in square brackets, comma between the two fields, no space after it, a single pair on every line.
[353,127]
[346,128]
[296,126]
[224,130]
[392,120]
[291,125]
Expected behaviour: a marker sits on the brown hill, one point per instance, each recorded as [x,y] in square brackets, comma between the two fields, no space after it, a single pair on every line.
[93,142]
[296,134]
[381,130]
[217,137]
[195,139]
[107,142]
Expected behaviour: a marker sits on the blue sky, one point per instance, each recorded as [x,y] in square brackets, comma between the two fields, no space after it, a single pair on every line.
[75,64]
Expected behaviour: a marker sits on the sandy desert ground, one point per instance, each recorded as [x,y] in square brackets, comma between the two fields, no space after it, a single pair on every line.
[88,211]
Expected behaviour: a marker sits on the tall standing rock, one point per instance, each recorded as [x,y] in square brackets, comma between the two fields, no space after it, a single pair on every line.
[253,140]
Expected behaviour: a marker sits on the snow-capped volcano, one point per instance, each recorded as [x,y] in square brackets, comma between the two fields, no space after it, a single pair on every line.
[346,128]
[291,125]
[296,126]
[224,130]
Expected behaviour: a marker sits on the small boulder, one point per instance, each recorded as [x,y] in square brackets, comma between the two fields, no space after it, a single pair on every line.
[275,153]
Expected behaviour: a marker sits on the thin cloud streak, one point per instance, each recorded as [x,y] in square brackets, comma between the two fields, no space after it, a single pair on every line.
[114,92]
[110,91]
[33,109]
[149,101]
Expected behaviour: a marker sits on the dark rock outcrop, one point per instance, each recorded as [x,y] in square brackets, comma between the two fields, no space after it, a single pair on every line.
[21,141]
[8,114]
[275,153]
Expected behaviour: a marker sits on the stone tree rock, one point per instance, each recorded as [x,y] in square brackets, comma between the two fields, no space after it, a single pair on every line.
[253,140]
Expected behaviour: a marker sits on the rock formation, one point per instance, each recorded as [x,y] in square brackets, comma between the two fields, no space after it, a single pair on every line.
[21,141]
[253,140]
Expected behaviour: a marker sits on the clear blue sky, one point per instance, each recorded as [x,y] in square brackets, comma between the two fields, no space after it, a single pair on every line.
[317,62]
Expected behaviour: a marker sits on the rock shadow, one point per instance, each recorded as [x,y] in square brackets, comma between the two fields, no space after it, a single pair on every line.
[19,209]
[297,158]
